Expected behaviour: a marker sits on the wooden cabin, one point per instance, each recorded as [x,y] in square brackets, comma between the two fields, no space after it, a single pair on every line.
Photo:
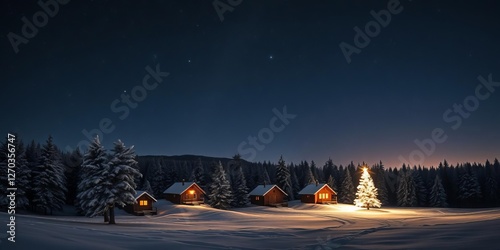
[185,193]
[318,193]
[268,195]
[143,204]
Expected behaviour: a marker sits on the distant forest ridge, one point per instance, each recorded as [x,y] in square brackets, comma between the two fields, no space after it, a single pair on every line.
[460,185]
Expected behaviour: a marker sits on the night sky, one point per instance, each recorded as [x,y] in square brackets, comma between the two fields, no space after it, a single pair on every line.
[226,77]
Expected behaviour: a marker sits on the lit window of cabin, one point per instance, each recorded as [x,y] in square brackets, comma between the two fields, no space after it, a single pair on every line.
[143,202]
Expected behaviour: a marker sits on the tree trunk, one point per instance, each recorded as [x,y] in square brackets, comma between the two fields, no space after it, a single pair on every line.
[112,214]
[106,217]
[367,206]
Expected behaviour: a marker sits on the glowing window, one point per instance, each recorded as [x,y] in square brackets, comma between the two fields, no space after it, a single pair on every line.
[143,202]
[326,196]
[257,198]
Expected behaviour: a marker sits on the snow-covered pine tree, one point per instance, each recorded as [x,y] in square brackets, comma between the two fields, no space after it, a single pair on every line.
[198,174]
[159,181]
[93,174]
[380,183]
[295,182]
[123,175]
[420,188]
[220,190]
[315,172]
[469,189]
[264,177]
[366,195]
[438,195]
[146,186]
[347,190]
[283,178]
[240,189]
[49,181]
[407,194]
[331,183]
[309,176]
[22,173]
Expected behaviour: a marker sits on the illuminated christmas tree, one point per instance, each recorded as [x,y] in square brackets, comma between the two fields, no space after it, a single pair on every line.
[366,196]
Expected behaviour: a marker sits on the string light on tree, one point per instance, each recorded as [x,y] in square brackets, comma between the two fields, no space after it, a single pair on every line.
[366,196]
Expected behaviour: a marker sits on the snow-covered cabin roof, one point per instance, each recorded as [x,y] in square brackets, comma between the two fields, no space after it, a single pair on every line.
[314,188]
[139,193]
[181,187]
[262,190]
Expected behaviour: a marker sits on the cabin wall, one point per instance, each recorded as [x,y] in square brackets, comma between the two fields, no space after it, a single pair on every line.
[174,198]
[308,198]
[260,201]
[188,197]
[138,207]
[325,190]
[274,196]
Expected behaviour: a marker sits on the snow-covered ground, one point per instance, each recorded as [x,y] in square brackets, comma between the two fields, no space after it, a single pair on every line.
[300,226]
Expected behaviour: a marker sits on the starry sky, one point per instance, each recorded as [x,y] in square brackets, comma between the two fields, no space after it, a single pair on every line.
[225,78]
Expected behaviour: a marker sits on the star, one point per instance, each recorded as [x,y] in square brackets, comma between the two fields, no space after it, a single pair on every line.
[189,60]
[271,57]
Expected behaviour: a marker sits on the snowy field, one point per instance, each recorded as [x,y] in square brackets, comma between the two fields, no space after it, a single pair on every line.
[300,226]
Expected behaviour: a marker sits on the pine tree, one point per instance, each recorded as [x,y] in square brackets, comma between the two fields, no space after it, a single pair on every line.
[198,174]
[347,190]
[380,183]
[407,194]
[315,173]
[122,175]
[295,182]
[331,183]
[49,181]
[159,181]
[94,170]
[420,189]
[469,189]
[283,178]
[491,190]
[264,177]
[438,195]
[146,186]
[309,177]
[220,190]
[72,165]
[366,196]
[240,189]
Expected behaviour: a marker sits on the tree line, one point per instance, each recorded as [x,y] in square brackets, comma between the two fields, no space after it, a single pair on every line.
[96,182]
